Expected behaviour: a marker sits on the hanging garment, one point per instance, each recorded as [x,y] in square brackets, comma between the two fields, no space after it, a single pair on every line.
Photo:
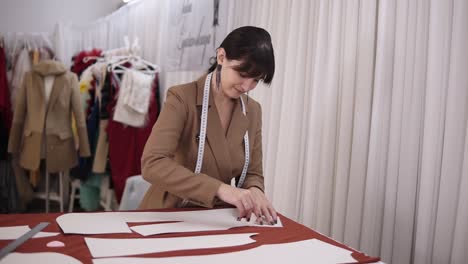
[125,158]
[102,149]
[91,182]
[90,193]
[79,62]
[4,135]
[32,119]
[9,200]
[5,107]
[8,191]
[83,171]
[99,71]
[35,56]
[22,65]
[133,98]
[24,188]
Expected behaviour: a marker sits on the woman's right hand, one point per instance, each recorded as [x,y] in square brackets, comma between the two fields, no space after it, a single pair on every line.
[243,199]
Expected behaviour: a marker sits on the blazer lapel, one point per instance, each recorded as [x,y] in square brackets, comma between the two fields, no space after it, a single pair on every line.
[238,125]
[38,85]
[57,88]
[215,137]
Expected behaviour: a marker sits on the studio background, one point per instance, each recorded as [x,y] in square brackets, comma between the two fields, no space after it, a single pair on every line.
[365,125]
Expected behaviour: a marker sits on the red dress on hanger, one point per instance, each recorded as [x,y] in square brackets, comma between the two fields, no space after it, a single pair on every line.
[126,143]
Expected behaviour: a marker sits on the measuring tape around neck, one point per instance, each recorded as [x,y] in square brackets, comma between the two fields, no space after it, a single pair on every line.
[201,142]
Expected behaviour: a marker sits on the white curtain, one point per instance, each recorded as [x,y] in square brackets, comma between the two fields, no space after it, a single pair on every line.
[366,122]
[140,19]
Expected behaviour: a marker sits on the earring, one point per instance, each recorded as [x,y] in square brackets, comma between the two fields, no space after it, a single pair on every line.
[218,76]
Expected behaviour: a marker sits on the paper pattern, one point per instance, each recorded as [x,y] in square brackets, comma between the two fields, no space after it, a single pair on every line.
[14,232]
[301,252]
[35,258]
[116,222]
[107,247]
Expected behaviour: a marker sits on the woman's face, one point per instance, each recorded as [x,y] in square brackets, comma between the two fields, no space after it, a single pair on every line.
[234,83]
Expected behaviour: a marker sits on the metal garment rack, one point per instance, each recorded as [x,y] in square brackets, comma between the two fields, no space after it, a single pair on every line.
[47,195]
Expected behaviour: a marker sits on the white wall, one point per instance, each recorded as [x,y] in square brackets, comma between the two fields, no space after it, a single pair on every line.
[42,15]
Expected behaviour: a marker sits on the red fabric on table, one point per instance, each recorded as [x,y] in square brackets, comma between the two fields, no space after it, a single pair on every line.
[75,245]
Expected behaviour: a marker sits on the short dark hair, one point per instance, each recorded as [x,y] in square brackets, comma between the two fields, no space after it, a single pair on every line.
[252,46]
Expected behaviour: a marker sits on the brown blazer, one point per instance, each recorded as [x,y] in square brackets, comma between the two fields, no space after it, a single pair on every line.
[31,117]
[170,154]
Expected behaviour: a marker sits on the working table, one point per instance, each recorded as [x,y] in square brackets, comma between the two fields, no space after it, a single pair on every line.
[76,247]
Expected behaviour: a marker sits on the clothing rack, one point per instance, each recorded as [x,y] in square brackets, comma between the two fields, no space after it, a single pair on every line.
[130,52]
[13,42]
[119,60]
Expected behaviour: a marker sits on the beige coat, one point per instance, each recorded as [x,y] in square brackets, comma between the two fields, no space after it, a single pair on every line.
[170,153]
[31,118]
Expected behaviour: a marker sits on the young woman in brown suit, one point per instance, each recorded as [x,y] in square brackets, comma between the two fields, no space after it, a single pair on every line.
[209,132]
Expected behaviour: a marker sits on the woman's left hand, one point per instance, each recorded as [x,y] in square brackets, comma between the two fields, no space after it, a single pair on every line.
[263,208]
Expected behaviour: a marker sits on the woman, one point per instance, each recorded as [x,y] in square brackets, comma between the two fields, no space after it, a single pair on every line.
[199,143]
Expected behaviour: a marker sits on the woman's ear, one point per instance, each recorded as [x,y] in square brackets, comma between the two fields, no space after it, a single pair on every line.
[220,56]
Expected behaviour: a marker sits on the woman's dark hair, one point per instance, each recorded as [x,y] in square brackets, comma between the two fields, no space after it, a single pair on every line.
[252,46]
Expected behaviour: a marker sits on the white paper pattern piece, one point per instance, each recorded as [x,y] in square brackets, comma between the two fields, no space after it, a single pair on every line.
[195,226]
[93,223]
[116,222]
[306,251]
[107,247]
[14,232]
[146,230]
[34,258]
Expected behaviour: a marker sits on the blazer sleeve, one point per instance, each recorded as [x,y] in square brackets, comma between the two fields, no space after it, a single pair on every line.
[79,118]
[158,164]
[254,177]
[16,131]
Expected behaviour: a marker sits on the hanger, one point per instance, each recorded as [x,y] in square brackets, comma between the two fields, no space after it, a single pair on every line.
[88,58]
[137,64]
[117,63]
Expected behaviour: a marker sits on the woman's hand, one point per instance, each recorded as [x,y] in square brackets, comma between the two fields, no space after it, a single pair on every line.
[247,202]
[264,210]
